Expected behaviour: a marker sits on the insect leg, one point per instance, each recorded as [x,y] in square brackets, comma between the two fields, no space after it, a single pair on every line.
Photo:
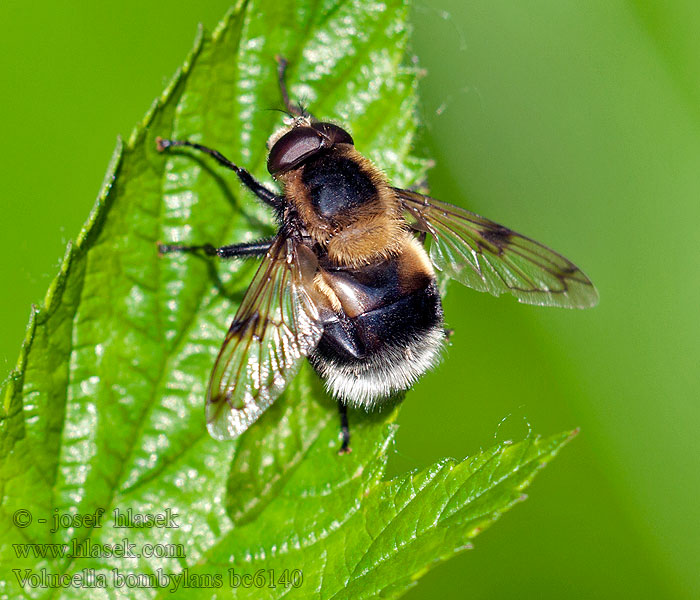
[267,196]
[344,428]
[232,251]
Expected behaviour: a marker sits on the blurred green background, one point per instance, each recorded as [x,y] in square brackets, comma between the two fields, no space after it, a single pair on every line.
[575,123]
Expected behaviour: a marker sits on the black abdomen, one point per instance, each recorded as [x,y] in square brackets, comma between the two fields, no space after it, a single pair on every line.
[378,353]
[352,340]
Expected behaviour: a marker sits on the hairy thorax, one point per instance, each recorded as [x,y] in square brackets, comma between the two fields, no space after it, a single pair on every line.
[347,207]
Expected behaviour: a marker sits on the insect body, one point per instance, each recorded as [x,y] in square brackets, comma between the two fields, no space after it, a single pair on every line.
[347,283]
[374,285]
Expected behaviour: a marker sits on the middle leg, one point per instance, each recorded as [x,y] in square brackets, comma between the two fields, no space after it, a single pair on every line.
[233,251]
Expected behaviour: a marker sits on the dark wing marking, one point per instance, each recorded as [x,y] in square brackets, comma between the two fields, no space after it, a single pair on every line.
[491,258]
[276,326]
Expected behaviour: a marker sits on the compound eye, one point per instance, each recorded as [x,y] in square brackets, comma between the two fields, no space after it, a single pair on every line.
[336,135]
[293,148]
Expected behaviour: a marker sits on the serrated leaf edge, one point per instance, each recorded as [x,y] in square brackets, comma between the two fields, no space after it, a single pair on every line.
[13,383]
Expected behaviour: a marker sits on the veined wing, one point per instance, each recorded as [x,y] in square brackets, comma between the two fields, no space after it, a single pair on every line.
[276,326]
[491,258]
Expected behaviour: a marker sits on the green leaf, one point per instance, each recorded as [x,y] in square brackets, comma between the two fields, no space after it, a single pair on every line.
[104,411]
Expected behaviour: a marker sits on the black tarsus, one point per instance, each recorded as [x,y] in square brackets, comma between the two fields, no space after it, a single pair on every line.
[293,109]
[267,196]
[232,251]
[344,428]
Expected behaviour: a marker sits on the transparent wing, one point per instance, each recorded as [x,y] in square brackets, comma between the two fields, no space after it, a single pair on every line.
[491,258]
[276,326]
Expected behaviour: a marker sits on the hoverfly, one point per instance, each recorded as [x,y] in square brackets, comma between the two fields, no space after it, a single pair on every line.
[347,283]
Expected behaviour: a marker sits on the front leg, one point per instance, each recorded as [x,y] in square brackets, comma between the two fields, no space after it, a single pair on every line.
[267,196]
